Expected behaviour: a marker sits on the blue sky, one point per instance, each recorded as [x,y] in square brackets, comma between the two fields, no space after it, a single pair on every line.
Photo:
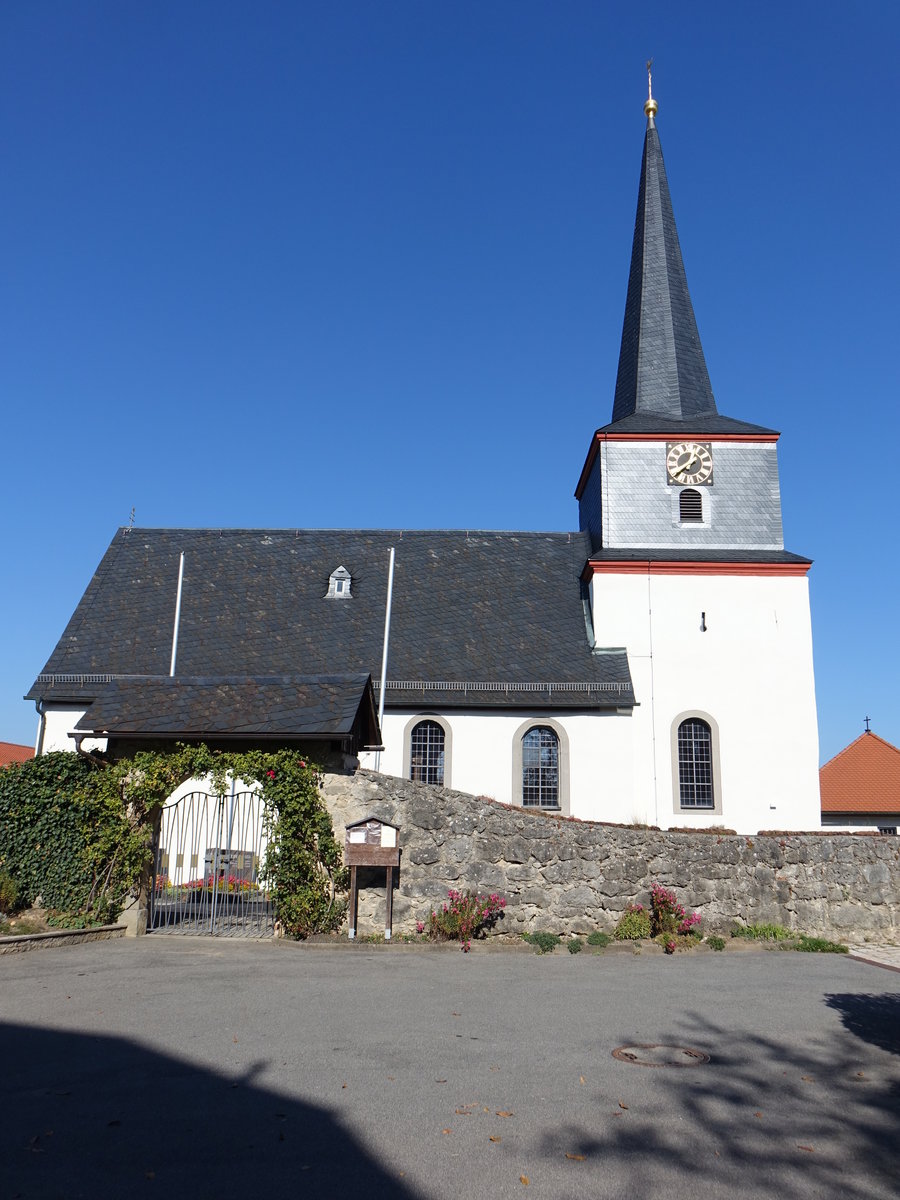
[364,264]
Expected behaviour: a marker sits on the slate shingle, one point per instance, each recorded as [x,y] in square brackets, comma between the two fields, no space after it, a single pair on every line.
[327,707]
[468,608]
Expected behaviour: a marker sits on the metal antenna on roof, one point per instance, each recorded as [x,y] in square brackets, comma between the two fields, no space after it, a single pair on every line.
[868,730]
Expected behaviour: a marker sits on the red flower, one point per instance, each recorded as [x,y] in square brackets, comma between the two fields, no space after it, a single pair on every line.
[271,774]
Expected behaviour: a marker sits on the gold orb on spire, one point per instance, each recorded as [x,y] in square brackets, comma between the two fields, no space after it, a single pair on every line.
[651,108]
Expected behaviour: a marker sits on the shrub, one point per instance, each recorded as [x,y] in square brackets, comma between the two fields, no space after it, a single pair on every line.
[633,925]
[574,945]
[68,835]
[597,938]
[667,915]
[715,943]
[465,916]
[543,942]
[9,892]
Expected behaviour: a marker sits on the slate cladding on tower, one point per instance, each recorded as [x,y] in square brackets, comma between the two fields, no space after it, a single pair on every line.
[663,397]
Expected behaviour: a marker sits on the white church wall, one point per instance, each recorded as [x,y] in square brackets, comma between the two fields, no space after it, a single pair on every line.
[58,722]
[749,674]
[596,756]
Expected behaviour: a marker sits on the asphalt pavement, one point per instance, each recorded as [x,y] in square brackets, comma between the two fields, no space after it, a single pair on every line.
[180,1066]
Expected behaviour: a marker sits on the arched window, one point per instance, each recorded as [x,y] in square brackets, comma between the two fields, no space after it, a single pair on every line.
[690,505]
[426,753]
[540,768]
[695,764]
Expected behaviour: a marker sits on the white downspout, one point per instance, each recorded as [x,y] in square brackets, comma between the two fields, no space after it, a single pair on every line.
[177,614]
[384,655]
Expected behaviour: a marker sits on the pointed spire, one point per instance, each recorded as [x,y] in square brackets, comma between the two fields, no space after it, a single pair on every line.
[662,370]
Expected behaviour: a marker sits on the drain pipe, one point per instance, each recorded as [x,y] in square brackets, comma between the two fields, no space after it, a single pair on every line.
[177,614]
[384,655]
[88,754]
[39,740]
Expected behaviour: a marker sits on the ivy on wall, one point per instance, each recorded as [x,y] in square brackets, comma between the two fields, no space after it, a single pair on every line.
[78,833]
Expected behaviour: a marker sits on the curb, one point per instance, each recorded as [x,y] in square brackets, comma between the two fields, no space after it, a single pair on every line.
[17,943]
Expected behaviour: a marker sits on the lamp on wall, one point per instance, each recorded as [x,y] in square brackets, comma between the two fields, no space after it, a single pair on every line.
[703,622]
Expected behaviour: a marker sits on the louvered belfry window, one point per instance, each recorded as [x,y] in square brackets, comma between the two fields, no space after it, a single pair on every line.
[426,757]
[695,776]
[690,505]
[540,768]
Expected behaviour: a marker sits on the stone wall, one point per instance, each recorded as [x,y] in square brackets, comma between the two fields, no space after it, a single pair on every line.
[571,876]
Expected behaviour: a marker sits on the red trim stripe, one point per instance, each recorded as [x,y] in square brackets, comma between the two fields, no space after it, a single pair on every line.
[664,567]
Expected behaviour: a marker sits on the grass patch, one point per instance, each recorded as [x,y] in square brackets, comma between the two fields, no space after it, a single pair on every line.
[574,945]
[715,943]
[762,933]
[817,945]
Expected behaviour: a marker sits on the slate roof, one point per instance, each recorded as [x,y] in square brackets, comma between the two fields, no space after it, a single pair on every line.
[711,423]
[662,369]
[478,617]
[237,707]
[863,778]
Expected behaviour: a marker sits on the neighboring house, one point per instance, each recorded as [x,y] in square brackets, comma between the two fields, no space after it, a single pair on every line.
[11,752]
[653,667]
[861,787]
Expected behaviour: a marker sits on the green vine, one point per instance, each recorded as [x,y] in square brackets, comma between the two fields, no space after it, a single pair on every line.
[78,833]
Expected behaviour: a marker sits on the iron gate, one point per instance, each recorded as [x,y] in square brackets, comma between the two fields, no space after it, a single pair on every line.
[207,860]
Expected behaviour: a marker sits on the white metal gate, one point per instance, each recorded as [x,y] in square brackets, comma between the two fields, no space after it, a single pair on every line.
[207,859]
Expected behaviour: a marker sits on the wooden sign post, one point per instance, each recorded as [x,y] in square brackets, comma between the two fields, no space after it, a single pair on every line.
[372,843]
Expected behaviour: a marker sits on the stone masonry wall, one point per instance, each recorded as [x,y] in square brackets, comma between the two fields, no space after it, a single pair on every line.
[570,876]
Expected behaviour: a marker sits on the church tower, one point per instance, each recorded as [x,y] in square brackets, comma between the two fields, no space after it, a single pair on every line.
[688,570]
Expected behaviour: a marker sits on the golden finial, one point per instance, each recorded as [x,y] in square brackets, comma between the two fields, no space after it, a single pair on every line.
[651,108]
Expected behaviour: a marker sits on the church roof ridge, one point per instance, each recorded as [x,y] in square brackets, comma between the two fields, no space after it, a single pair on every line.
[662,369]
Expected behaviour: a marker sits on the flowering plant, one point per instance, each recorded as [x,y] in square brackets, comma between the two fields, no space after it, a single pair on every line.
[667,915]
[465,915]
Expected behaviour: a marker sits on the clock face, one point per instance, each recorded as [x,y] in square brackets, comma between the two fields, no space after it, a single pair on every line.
[689,462]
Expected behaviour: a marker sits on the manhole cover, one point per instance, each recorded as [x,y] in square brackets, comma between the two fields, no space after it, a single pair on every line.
[642,1054]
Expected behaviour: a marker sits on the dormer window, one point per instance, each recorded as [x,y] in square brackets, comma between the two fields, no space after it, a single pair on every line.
[339,585]
[690,505]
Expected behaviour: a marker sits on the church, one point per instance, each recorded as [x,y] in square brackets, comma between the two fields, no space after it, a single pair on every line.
[652,667]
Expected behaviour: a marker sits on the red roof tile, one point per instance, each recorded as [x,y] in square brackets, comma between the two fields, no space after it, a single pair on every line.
[863,778]
[11,752]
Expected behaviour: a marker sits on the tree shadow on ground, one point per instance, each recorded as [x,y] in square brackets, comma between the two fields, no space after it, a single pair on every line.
[765,1117]
[101,1116]
[873,1017]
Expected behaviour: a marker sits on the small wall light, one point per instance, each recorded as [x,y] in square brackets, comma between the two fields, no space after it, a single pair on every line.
[703,622]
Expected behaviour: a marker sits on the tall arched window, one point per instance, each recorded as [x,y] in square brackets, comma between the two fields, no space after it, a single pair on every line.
[695,764]
[540,768]
[426,753]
